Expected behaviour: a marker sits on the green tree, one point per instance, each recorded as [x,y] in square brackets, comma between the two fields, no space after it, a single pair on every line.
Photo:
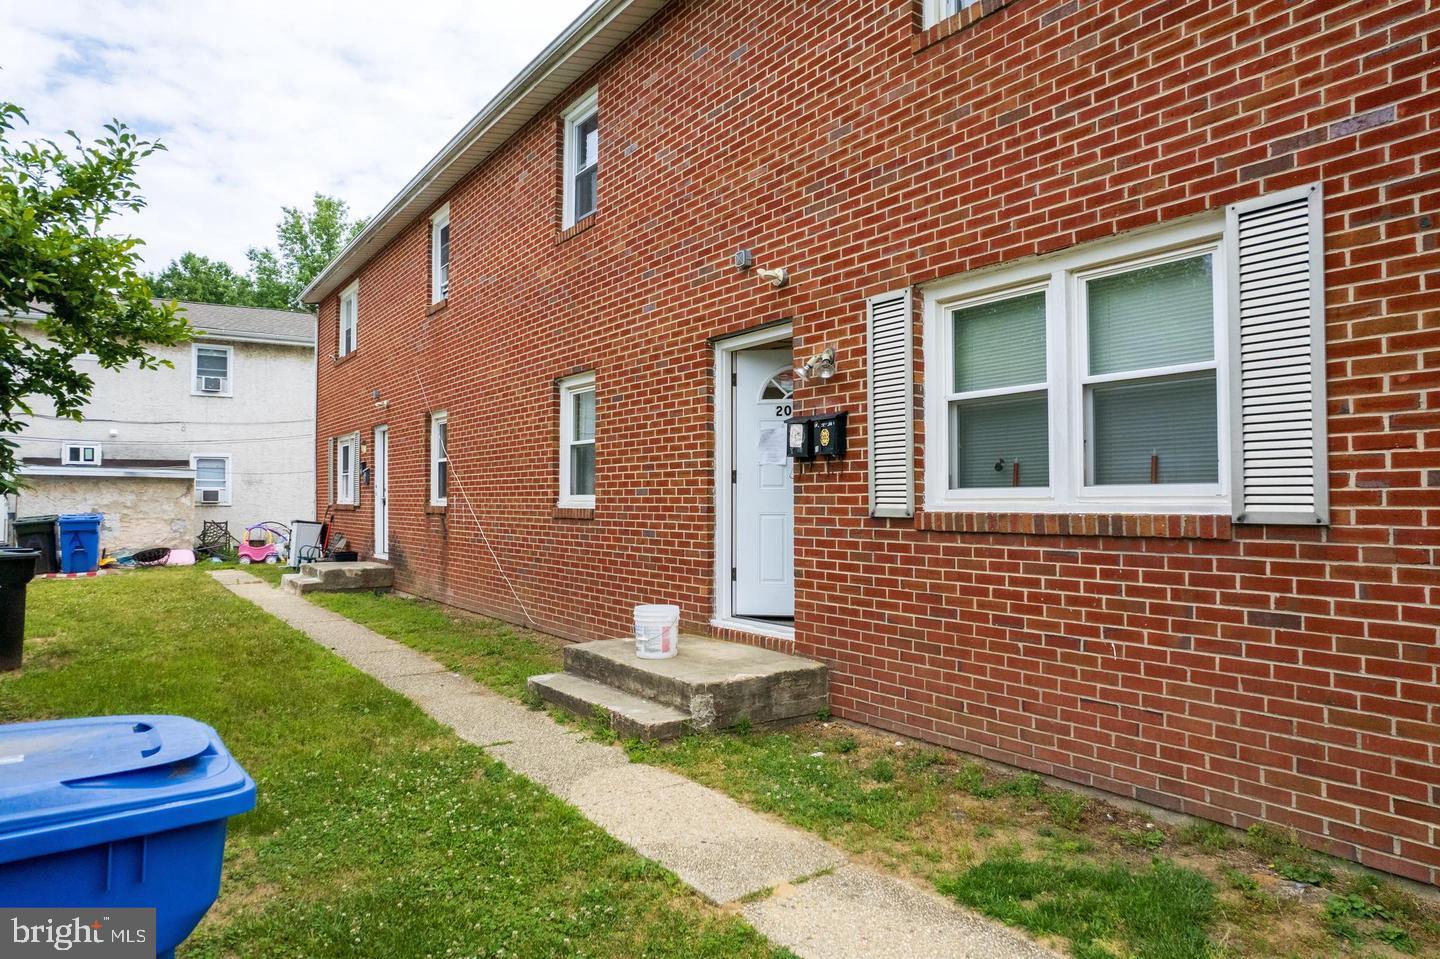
[59,260]
[203,280]
[307,240]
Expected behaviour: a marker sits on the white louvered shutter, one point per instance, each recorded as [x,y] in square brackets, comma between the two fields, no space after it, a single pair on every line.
[1277,350]
[892,426]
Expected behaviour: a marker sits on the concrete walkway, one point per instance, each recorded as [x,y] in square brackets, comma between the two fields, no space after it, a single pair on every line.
[719,848]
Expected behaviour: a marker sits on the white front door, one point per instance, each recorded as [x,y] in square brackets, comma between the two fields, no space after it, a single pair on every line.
[382,492]
[764,491]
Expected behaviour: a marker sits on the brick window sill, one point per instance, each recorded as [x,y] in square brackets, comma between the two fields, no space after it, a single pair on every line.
[345,507]
[347,357]
[433,509]
[950,26]
[1143,526]
[577,229]
[573,512]
[438,306]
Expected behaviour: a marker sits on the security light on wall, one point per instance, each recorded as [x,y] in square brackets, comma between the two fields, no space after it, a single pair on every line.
[777,277]
[745,261]
[822,364]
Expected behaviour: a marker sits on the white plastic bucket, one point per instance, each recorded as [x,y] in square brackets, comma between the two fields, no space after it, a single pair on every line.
[657,631]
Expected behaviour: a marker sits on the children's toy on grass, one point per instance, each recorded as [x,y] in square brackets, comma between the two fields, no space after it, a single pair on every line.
[264,543]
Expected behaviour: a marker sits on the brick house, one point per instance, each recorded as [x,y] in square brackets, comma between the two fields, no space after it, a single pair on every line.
[1133,310]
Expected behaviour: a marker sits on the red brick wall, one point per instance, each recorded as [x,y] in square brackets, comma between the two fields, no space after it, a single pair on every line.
[1257,673]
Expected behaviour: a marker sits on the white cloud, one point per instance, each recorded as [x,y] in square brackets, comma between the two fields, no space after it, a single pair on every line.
[263,103]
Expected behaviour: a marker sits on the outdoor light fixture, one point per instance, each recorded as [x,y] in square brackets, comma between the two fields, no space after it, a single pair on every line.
[822,364]
[777,278]
[745,261]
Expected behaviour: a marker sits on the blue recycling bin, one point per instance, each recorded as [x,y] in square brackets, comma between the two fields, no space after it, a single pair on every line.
[79,542]
[118,811]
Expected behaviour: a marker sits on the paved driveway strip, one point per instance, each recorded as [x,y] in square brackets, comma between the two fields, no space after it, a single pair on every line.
[719,848]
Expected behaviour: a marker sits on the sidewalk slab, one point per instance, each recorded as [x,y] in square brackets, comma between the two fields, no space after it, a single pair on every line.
[857,912]
[476,714]
[716,846]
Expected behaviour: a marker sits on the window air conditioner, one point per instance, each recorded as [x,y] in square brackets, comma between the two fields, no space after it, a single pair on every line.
[210,496]
[212,384]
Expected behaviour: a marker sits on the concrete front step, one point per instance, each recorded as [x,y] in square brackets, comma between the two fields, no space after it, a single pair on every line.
[715,684]
[629,716]
[338,577]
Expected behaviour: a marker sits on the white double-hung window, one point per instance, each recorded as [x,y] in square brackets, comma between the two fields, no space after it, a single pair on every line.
[1151,408]
[212,370]
[348,338]
[212,479]
[1090,382]
[582,158]
[439,459]
[440,254]
[345,459]
[577,441]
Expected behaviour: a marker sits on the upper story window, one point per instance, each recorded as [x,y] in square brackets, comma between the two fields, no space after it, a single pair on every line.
[1088,383]
[440,254]
[439,459]
[212,480]
[577,441]
[80,454]
[582,158]
[349,320]
[937,10]
[212,370]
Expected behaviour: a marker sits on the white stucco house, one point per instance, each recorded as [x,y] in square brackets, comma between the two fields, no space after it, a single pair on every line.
[227,432]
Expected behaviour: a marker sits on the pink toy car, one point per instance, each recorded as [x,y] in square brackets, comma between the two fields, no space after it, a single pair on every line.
[264,543]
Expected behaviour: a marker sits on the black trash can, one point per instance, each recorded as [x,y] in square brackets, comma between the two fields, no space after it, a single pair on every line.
[17,568]
[38,532]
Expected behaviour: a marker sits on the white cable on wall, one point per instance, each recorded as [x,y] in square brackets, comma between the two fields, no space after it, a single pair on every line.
[459,484]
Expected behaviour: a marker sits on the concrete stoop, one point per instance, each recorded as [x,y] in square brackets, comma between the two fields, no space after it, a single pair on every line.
[338,577]
[708,685]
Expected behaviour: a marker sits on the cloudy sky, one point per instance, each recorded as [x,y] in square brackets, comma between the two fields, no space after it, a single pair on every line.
[263,103]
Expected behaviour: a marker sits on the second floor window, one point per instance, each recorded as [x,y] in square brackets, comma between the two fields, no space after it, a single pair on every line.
[440,255]
[349,320]
[212,370]
[582,158]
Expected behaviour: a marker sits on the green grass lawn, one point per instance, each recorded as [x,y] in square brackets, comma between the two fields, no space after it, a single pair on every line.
[378,833]
[1087,875]
[493,653]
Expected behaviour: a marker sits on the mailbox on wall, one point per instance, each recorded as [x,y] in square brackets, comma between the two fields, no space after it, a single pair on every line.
[827,434]
[821,435]
[797,438]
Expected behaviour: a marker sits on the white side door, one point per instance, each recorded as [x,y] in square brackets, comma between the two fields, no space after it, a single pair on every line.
[382,492]
[764,490]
